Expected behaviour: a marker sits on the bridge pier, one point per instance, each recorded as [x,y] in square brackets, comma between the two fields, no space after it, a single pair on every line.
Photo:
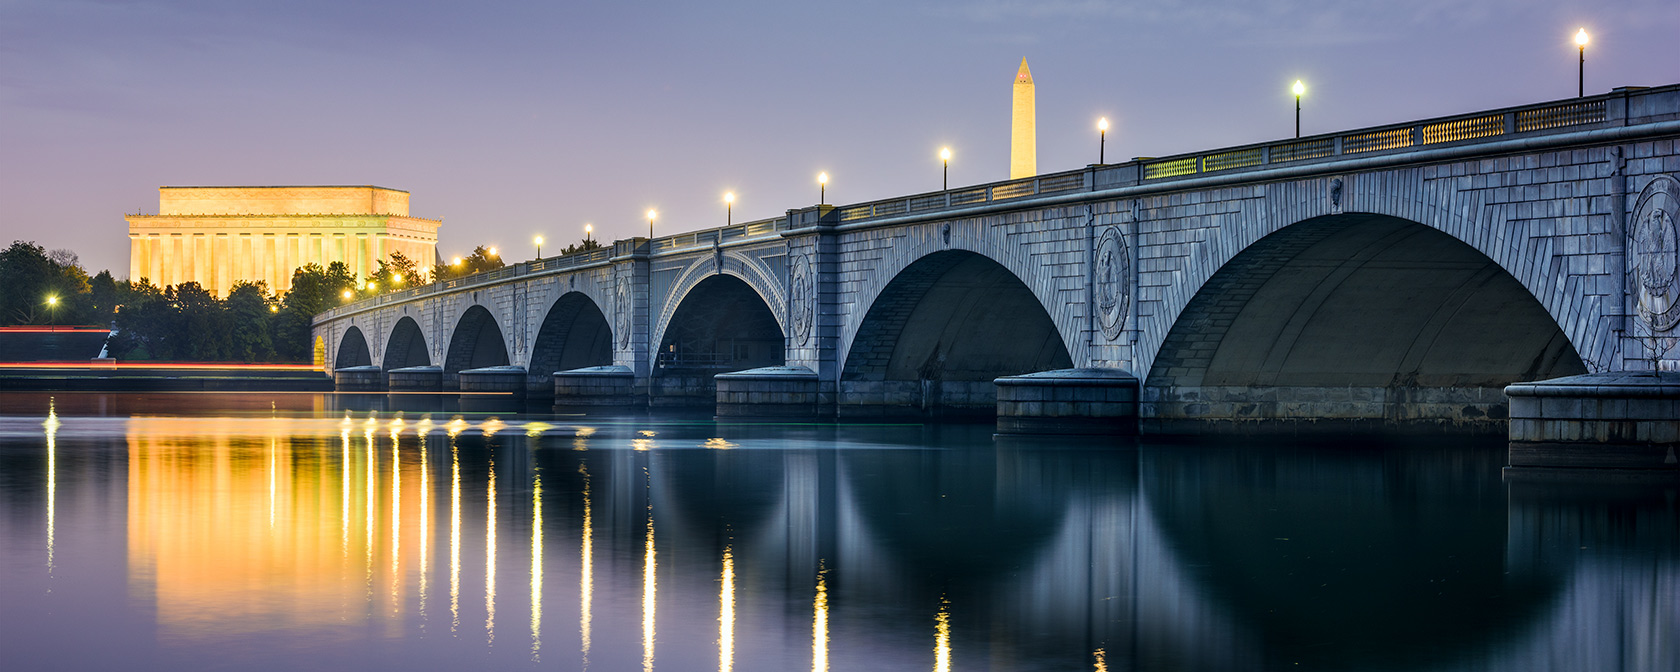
[415,379]
[495,379]
[773,391]
[1068,401]
[1622,420]
[359,379]
[597,386]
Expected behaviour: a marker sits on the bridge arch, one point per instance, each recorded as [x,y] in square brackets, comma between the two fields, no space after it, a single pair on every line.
[476,342]
[406,346]
[352,350]
[574,333]
[1357,317]
[750,272]
[721,324]
[938,334]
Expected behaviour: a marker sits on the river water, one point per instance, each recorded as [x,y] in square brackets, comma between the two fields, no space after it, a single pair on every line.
[307,531]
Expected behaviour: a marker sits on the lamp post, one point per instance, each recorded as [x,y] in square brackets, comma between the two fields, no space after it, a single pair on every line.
[1581,74]
[539,247]
[1102,139]
[728,208]
[822,188]
[493,252]
[945,156]
[1299,89]
[651,215]
[588,230]
[52,313]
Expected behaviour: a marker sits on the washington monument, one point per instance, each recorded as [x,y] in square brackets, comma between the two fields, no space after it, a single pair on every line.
[1023,134]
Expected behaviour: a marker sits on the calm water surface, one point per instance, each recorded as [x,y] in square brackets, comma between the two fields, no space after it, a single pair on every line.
[254,531]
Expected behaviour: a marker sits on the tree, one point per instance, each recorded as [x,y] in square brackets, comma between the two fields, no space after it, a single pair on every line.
[252,322]
[399,273]
[201,329]
[314,290]
[584,245]
[481,259]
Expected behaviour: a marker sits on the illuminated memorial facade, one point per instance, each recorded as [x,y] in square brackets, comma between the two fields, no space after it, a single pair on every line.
[217,236]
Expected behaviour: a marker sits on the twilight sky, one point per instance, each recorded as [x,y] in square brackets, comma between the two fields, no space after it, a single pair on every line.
[510,119]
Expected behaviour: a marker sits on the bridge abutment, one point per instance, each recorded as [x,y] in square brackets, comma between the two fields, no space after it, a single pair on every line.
[1627,420]
[1068,401]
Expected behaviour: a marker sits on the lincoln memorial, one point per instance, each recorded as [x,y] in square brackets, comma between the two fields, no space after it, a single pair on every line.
[217,236]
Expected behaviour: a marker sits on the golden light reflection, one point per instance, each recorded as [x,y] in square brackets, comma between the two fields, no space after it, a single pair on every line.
[51,425]
[942,638]
[490,427]
[231,527]
[586,574]
[718,444]
[490,558]
[580,438]
[536,429]
[454,535]
[536,566]
[455,426]
[819,623]
[726,613]
[425,522]
[1102,660]
[650,589]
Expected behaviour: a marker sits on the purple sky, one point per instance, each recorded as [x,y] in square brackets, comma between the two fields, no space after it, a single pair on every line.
[512,119]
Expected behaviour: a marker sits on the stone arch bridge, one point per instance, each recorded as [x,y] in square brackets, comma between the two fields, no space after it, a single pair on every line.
[1399,274]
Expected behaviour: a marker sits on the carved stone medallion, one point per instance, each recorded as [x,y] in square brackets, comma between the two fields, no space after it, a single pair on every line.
[623,316]
[1654,253]
[803,299]
[1112,275]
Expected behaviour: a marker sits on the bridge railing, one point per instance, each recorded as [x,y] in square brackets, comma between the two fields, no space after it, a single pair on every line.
[546,265]
[727,234]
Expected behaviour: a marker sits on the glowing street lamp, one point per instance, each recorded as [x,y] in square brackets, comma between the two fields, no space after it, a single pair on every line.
[273,308]
[728,208]
[1299,89]
[492,251]
[1581,74]
[52,312]
[455,262]
[539,247]
[822,188]
[945,156]
[652,215]
[588,230]
[396,278]
[1102,139]
[348,294]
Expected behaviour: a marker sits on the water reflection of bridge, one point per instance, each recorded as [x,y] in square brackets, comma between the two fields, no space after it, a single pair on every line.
[1166,558]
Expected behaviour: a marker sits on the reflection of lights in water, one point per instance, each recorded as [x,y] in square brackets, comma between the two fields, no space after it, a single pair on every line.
[455,426]
[368,505]
[650,588]
[344,488]
[424,427]
[1102,660]
[396,514]
[271,483]
[647,433]
[454,535]
[490,558]
[51,425]
[942,638]
[425,524]
[819,623]
[490,427]
[536,566]
[642,444]
[535,429]
[586,576]
[726,613]
[717,444]
[580,437]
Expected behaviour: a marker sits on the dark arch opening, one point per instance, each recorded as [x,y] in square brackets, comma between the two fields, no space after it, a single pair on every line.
[477,343]
[940,332]
[1351,321]
[407,346]
[722,325]
[352,350]
[575,334]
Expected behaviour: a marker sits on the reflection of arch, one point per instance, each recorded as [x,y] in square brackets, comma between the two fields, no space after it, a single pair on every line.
[406,347]
[1374,307]
[943,329]
[573,335]
[352,350]
[476,342]
[722,324]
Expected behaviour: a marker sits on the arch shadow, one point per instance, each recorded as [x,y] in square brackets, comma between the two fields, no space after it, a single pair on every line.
[352,350]
[939,333]
[406,347]
[574,334]
[721,325]
[1354,320]
[476,342]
